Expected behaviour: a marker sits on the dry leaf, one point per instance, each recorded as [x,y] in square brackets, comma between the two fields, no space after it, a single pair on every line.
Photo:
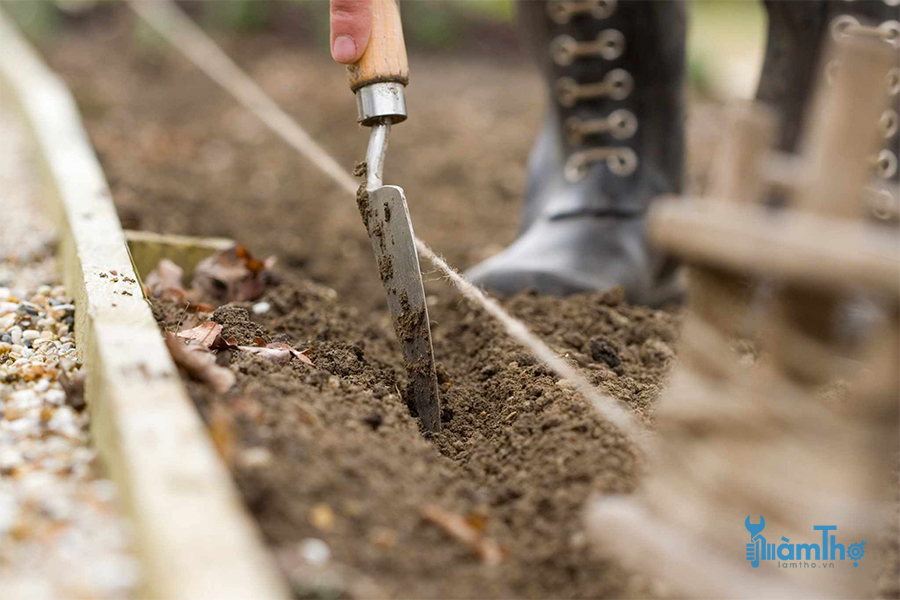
[200,363]
[280,356]
[232,275]
[302,355]
[204,334]
[165,281]
[198,307]
[278,352]
[221,343]
[488,550]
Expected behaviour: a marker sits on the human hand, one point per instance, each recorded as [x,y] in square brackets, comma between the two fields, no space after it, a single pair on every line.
[351,24]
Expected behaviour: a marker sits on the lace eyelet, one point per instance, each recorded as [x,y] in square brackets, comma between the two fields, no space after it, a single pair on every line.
[840,25]
[882,204]
[888,123]
[891,31]
[886,164]
[620,83]
[893,81]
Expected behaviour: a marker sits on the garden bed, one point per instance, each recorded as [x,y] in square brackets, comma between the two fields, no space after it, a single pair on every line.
[331,453]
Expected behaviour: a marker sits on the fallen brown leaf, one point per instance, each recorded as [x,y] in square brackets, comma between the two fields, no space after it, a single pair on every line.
[487,549]
[221,343]
[198,307]
[301,355]
[232,275]
[278,356]
[200,364]
[204,334]
[278,352]
[164,281]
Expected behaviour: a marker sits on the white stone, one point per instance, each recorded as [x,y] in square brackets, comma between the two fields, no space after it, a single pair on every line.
[261,308]
[256,456]
[315,551]
[55,397]
[10,458]
[31,334]
[24,399]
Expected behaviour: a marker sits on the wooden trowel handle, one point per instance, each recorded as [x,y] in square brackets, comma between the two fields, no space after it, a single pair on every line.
[385,57]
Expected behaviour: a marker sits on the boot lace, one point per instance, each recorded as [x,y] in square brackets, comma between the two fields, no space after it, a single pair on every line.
[617,84]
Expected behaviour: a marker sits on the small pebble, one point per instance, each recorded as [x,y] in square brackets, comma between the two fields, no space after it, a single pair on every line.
[257,456]
[261,308]
[315,551]
[322,517]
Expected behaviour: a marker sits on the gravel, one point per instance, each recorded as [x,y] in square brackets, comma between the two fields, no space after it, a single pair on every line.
[62,534]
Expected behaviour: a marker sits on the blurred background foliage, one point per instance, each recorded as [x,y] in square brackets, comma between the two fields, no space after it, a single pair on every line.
[725,43]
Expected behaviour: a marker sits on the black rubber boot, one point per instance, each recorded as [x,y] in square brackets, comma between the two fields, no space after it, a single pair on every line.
[612,141]
[798,32]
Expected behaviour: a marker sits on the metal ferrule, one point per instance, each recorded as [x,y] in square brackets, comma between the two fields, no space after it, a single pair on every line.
[380,101]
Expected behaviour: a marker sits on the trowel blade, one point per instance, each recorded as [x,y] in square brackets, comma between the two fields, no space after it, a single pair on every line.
[386,217]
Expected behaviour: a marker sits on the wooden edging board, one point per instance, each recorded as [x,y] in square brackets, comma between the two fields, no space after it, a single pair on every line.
[148,248]
[193,538]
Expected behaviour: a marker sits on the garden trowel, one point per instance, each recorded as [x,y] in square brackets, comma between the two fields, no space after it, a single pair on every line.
[378,79]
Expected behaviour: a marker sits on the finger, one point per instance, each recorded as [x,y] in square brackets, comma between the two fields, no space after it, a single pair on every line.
[351,24]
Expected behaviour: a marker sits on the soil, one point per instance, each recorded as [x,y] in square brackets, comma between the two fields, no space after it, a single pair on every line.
[332,452]
[518,452]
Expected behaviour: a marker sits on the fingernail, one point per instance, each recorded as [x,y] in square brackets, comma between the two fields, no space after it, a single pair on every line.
[344,49]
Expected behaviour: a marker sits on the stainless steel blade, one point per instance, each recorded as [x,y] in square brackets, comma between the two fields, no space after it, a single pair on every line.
[386,216]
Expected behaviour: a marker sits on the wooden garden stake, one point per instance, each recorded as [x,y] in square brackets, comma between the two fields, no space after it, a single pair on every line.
[841,135]
[719,296]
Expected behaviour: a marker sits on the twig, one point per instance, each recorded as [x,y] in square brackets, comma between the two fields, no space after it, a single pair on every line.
[487,549]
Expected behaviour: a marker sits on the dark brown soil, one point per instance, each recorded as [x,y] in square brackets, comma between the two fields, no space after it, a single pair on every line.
[332,452]
[517,450]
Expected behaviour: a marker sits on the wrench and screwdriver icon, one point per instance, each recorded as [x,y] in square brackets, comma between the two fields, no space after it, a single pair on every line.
[757,546]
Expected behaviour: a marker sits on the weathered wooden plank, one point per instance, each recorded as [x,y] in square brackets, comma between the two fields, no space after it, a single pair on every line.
[148,248]
[193,537]
[817,251]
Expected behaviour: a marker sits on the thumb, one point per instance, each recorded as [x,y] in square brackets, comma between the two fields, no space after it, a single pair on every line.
[351,24]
